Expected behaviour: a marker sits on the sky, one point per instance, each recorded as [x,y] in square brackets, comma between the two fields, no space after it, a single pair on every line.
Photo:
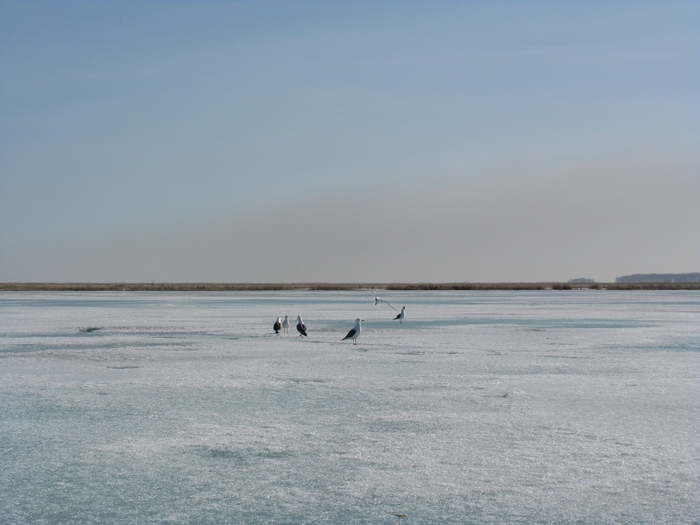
[333,141]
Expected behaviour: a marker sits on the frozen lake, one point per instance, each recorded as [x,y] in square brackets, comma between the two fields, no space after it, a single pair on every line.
[482,407]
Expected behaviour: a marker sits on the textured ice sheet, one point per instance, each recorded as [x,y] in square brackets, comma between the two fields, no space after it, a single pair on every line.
[493,407]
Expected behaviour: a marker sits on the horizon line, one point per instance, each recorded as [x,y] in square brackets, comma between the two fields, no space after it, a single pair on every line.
[338,286]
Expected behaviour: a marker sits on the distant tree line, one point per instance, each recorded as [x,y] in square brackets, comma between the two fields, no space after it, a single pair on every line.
[660,278]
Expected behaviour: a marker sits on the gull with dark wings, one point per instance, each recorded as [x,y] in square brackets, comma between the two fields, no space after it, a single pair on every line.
[355,332]
[301,327]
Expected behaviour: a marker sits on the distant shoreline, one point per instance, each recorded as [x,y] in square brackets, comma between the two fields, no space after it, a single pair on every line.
[273,287]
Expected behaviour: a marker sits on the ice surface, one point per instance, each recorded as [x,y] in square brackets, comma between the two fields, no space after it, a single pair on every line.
[483,407]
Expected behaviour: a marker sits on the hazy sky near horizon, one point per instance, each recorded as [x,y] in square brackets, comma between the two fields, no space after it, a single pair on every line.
[348,141]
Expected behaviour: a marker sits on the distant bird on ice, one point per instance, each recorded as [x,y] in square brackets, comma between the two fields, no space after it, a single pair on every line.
[285,324]
[402,315]
[301,327]
[277,326]
[355,332]
[378,300]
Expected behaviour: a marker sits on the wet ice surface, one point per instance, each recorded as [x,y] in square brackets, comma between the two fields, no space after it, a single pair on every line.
[493,407]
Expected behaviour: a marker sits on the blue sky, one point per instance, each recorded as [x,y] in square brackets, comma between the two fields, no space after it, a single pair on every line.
[348,141]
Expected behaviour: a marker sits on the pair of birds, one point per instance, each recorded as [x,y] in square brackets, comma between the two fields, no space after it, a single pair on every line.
[399,317]
[355,332]
[284,325]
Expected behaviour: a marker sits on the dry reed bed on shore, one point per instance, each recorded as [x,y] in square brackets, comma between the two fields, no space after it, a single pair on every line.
[264,287]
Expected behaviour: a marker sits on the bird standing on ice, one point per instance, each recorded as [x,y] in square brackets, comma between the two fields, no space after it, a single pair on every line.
[277,326]
[301,327]
[285,324]
[378,300]
[402,315]
[355,332]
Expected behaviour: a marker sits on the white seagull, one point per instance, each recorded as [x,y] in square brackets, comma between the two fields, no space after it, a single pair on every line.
[402,315]
[277,326]
[285,324]
[355,332]
[301,327]
[378,300]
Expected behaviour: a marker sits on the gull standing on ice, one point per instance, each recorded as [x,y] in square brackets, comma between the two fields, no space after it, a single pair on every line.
[277,326]
[301,327]
[355,332]
[402,315]
[285,324]
[378,300]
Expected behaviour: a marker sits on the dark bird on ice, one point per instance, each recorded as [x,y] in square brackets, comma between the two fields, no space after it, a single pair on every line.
[355,332]
[277,326]
[301,327]
[402,315]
